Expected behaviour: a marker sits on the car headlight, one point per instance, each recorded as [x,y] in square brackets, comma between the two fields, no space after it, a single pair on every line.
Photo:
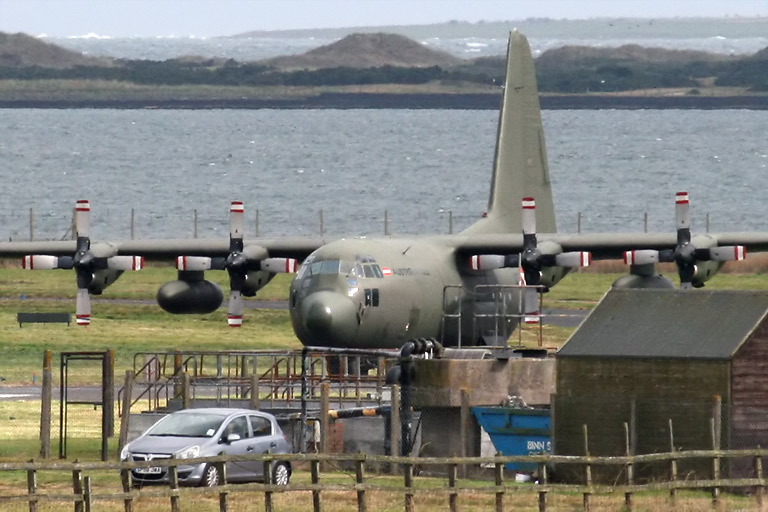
[124,453]
[188,453]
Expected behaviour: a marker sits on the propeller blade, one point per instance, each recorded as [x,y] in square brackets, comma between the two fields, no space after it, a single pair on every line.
[235,312]
[280,265]
[529,223]
[683,218]
[236,220]
[641,257]
[487,261]
[83,307]
[125,262]
[83,218]
[531,306]
[573,259]
[40,262]
[728,253]
[193,263]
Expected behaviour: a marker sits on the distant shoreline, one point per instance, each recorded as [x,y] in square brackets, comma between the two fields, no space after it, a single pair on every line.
[409,101]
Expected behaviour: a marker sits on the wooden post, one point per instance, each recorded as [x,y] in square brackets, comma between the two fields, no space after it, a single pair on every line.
[645,222]
[77,489]
[223,494]
[543,478]
[394,423]
[133,223]
[322,223]
[186,391]
[360,481]
[408,480]
[255,399]
[87,493]
[194,233]
[31,225]
[464,429]
[173,483]
[630,468]
[760,491]
[499,474]
[45,407]
[450,222]
[672,463]
[32,488]
[587,469]
[314,468]
[125,480]
[325,421]
[386,223]
[268,481]
[453,497]
[715,462]
[108,399]
[126,408]
[578,223]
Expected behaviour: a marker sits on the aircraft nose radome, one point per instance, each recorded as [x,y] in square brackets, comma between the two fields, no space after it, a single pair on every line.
[329,317]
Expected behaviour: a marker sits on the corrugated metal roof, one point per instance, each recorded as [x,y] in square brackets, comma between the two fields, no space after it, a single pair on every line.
[668,324]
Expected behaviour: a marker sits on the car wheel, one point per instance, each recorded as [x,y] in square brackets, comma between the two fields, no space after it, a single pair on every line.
[281,474]
[210,476]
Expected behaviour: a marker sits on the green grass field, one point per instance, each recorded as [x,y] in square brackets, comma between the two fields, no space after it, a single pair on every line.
[129,327]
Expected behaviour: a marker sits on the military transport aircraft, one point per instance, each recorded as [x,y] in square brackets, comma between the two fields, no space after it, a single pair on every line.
[462,289]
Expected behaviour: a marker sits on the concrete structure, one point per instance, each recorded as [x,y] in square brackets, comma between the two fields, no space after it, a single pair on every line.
[692,359]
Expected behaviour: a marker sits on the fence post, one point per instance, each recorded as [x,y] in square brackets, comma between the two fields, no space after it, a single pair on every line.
[322,223]
[672,462]
[386,222]
[587,468]
[268,481]
[87,493]
[194,233]
[715,462]
[325,399]
[450,222]
[32,488]
[314,466]
[45,407]
[221,467]
[630,467]
[499,474]
[759,475]
[543,477]
[360,481]
[255,391]
[453,497]
[408,480]
[186,391]
[464,429]
[133,223]
[394,426]
[125,480]
[77,488]
[173,483]
[122,440]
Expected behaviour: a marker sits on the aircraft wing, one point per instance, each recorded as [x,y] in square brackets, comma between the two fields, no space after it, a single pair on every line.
[167,249]
[602,245]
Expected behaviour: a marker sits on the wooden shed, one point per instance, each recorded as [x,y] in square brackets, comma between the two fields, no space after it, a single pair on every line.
[681,368]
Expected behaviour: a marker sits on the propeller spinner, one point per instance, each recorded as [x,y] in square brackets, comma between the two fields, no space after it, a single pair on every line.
[84,262]
[686,254]
[531,261]
[237,263]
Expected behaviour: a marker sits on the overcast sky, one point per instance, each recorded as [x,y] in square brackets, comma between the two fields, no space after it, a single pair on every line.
[226,17]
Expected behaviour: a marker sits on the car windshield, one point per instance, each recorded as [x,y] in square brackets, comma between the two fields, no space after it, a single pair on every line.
[188,425]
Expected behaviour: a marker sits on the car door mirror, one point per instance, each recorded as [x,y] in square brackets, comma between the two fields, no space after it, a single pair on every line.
[232,438]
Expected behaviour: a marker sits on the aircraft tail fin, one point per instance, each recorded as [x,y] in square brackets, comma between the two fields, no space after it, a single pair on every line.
[520,164]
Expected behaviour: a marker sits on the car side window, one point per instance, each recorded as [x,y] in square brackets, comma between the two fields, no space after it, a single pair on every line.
[237,426]
[261,426]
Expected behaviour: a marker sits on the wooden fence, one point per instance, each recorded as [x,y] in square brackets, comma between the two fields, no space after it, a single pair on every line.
[83,495]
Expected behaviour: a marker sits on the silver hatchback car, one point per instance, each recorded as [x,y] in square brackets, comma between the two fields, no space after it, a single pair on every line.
[207,433]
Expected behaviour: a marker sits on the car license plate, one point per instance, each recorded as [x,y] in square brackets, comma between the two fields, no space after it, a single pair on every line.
[149,471]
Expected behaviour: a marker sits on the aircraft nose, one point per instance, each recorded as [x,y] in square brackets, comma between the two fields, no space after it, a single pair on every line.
[329,318]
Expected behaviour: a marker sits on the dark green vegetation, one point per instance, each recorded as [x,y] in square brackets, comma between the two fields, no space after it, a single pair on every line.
[375,59]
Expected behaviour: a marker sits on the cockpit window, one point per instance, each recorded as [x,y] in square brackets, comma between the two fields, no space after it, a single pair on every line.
[320,267]
[368,269]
